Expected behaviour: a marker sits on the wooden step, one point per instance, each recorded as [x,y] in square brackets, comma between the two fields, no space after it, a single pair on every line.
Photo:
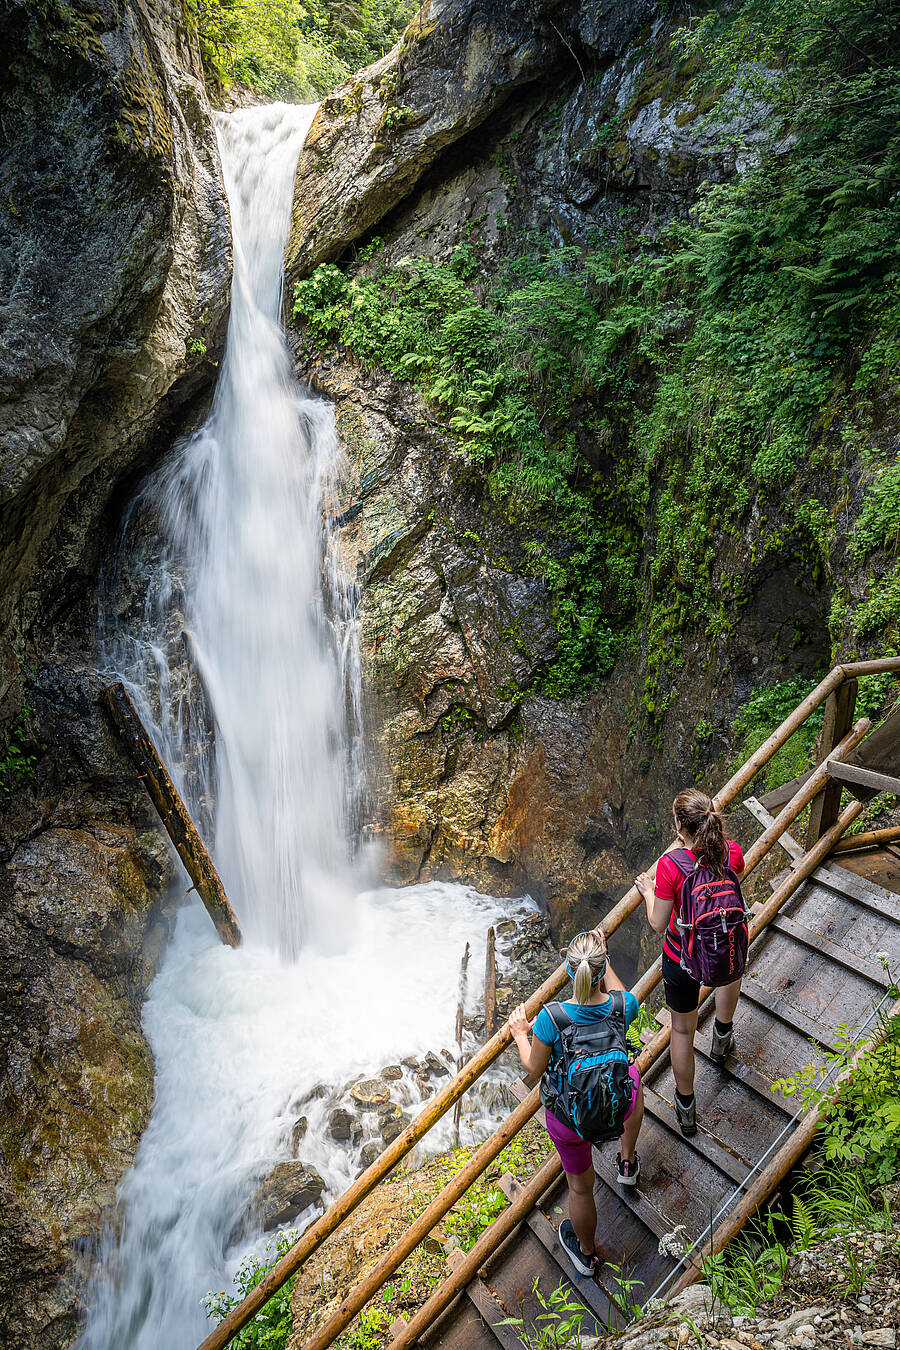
[788,1014]
[868,970]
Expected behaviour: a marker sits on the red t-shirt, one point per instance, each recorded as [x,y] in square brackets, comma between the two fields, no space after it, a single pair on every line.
[669,880]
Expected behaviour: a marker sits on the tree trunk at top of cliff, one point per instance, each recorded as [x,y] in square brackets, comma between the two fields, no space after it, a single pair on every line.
[457,63]
[173,813]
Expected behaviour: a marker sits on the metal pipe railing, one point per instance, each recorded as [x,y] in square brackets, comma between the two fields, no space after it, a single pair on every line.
[327,1223]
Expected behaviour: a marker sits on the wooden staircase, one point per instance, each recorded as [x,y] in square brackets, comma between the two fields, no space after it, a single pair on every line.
[812,968]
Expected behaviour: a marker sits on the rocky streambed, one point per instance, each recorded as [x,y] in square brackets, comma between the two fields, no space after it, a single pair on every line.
[364,1115]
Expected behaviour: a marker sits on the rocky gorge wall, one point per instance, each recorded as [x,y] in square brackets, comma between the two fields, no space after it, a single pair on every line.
[478,775]
[114,276]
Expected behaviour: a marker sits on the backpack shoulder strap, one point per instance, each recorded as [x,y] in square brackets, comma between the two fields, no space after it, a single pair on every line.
[683,861]
[558,1016]
[617,1002]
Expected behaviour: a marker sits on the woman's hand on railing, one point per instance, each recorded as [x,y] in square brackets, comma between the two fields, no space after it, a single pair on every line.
[533,1053]
[520,1024]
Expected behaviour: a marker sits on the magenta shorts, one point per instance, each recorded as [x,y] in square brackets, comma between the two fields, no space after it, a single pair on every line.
[575,1152]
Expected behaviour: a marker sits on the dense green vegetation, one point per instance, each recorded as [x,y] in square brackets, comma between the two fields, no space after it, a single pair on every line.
[635,401]
[22,748]
[291,50]
[270,1329]
[859,1144]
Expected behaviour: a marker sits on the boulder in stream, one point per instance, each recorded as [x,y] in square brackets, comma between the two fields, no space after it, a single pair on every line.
[370,1152]
[343,1125]
[370,1094]
[435,1066]
[289,1188]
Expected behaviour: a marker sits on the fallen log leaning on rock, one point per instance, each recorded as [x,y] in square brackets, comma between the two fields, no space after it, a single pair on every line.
[173,813]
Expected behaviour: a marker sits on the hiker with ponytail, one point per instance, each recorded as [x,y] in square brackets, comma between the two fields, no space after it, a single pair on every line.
[693,896]
[590,1090]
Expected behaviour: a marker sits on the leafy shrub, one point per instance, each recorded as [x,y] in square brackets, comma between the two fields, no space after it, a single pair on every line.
[861,1123]
[859,1139]
[271,1328]
[18,763]
[878,524]
[290,51]
[765,710]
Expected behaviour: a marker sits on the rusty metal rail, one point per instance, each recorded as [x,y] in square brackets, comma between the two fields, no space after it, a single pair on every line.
[332,1219]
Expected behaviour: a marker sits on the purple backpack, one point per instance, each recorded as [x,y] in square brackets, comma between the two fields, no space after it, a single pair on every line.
[712,922]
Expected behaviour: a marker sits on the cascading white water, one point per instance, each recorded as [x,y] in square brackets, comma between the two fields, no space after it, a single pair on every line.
[247,624]
[242,503]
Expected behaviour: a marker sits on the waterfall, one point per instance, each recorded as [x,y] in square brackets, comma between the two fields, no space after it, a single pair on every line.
[240,649]
[240,507]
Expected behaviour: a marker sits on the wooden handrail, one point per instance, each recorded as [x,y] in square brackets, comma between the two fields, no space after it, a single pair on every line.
[890,834]
[491,1238]
[393,1259]
[327,1223]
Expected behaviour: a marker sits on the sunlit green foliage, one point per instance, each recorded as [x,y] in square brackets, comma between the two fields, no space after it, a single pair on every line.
[500,369]
[769,705]
[291,50]
[270,1329]
[637,398]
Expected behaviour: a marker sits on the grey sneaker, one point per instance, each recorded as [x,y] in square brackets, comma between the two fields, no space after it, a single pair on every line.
[585,1265]
[628,1172]
[721,1046]
[687,1117]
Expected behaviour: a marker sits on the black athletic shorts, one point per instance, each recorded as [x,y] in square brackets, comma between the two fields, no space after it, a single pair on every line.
[682,992]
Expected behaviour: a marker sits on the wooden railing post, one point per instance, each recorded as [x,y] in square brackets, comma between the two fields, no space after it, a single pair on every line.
[839,708]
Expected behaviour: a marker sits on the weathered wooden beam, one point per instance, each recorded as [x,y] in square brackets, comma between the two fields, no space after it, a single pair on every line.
[510,1218]
[460,1011]
[839,708]
[856,776]
[859,965]
[590,1293]
[172,812]
[778,797]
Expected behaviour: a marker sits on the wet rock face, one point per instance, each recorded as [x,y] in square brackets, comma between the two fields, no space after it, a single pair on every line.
[81,927]
[114,275]
[456,66]
[478,777]
[114,267]
[289,1188]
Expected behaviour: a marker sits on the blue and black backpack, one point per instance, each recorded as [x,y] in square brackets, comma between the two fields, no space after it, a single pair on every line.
[587,1085]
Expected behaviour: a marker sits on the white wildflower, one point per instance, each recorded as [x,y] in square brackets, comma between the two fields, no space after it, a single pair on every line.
[672,1244]
[883,957]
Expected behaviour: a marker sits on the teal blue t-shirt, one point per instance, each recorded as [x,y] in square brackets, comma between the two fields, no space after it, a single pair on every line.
[581,1013]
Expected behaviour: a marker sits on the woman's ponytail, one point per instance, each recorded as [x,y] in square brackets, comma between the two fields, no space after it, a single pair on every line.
[586,963]
[583,981]
[696,814]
